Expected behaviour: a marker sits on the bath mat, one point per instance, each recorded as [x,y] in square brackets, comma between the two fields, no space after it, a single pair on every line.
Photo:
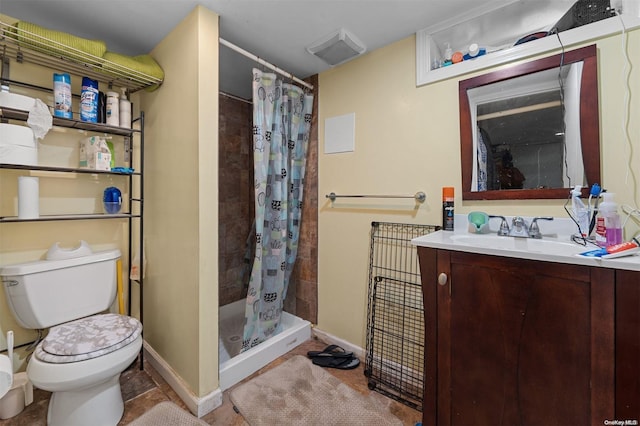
[167,414]
[299,393]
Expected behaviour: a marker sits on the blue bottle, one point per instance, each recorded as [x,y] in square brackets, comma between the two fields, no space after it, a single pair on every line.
[89,100]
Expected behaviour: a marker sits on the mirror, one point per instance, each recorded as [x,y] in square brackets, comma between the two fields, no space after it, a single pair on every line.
[531,131]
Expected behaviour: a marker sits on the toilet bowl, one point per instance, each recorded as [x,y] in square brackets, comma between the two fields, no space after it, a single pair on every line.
[86,349]
[84,392]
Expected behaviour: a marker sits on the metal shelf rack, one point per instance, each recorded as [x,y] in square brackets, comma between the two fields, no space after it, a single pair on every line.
[55,55]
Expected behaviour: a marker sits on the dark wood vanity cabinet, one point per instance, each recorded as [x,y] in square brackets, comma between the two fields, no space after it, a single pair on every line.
[515,342]
[628,345]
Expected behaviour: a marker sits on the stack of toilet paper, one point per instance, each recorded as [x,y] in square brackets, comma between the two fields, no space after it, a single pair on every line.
[17,145]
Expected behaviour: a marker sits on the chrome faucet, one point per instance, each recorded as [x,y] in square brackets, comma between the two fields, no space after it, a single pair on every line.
[534,230]
[519,227]
[504,226]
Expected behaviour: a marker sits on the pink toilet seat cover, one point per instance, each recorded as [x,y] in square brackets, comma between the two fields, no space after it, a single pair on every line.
[88,338]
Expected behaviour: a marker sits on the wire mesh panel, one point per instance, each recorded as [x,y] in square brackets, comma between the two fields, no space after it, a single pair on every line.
[394,361]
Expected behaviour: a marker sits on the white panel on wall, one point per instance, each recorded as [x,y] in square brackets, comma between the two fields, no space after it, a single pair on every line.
[340,134]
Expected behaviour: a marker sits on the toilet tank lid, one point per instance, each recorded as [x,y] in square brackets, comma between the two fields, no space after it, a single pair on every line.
[48,265]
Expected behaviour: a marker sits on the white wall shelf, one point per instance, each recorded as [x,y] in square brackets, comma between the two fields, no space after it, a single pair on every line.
[427,50]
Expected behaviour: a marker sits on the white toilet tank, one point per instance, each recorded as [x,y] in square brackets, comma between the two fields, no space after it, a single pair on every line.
[45,293]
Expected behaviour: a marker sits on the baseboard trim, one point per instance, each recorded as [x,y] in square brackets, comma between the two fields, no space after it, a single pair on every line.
[330,339]
[199,406]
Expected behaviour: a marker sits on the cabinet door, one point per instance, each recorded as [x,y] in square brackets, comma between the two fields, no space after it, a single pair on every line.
[522,342]
[627,345]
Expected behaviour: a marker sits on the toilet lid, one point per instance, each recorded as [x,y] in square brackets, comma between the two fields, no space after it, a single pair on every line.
[88,338]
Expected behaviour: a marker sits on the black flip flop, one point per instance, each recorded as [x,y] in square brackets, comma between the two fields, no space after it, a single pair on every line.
[339,363]
[334,351]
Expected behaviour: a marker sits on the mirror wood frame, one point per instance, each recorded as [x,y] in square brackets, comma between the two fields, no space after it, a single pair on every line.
[589,124]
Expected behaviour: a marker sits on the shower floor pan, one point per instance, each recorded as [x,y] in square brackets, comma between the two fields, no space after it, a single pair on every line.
[236,366]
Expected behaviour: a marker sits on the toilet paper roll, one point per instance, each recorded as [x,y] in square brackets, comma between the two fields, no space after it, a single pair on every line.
[6,375]
[28,197]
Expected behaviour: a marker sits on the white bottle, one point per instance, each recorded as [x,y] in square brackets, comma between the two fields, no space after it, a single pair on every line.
[113,109]
[125,110]
[448,53]
[580,212]
[609,211]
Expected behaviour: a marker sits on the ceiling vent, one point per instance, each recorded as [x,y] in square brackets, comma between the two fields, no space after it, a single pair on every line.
[337,47]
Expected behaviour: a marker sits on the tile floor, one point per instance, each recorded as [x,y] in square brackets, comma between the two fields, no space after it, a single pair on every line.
[142,389]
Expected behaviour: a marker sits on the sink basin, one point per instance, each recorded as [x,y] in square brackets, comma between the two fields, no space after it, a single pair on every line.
[493,241]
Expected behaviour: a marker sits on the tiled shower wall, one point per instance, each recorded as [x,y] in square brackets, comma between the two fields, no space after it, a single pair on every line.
[302,297]
[235,186]
[236,211]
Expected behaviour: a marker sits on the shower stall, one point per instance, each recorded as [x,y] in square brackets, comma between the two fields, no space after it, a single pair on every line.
[236,214]
[235,366]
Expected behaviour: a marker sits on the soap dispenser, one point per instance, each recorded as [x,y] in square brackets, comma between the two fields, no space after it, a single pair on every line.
[125,110]
[613,227]
[448,54]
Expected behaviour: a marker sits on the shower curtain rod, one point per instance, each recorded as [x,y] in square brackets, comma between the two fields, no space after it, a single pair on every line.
[237,98]
[265,63]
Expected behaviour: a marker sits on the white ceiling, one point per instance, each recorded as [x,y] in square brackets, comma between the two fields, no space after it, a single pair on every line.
[277,31]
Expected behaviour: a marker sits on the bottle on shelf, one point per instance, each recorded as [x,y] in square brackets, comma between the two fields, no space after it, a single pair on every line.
[89,98]
[102,107]
[113,109]
[62,95]
[125,110]
[448,53]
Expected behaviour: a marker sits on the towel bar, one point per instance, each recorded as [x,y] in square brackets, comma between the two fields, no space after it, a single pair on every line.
[419,196]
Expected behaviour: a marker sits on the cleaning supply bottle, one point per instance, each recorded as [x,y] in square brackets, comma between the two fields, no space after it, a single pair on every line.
[62,95]
[125,110]
[89,100]
[580,211]
[609,211]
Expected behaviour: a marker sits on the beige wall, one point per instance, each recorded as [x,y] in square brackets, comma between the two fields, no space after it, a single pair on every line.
[181,203]
[407,140]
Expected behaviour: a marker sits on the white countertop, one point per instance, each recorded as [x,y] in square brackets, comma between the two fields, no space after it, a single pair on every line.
[551,248]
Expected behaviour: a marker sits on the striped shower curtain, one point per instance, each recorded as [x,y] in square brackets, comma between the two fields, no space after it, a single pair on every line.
[281,125]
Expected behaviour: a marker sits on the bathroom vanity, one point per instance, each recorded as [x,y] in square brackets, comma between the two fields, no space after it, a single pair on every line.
[522,331]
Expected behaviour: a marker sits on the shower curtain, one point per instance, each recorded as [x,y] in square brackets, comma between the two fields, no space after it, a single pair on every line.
[281,124]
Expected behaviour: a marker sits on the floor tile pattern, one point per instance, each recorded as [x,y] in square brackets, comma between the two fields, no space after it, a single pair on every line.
[142,389]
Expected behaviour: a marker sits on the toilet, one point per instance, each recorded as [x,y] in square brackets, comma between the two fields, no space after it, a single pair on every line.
[87,348]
